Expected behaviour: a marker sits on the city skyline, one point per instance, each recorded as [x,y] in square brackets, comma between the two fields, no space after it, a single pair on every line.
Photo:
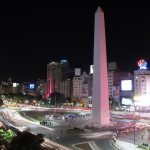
[34,35]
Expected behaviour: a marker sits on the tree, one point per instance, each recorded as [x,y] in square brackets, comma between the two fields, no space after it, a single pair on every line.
[26,141]
[110,102]
[57,98]
[1,102]
[3,144]
[5,136]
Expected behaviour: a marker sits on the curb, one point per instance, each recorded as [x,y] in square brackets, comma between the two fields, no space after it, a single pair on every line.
[114,145]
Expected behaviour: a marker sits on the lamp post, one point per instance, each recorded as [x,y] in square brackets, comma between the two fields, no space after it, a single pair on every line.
[55,101]
[134,121]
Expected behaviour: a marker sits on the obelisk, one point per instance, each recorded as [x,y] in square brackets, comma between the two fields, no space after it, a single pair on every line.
[100,98]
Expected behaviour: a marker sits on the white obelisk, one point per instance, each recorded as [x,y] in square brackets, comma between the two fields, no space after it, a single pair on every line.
[100,98]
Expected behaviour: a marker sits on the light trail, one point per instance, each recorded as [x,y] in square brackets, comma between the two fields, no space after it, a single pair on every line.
[13,119]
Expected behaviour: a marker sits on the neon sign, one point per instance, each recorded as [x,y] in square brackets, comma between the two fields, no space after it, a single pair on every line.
[142,64]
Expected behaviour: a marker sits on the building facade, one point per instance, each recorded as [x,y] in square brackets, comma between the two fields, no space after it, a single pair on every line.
[57,74]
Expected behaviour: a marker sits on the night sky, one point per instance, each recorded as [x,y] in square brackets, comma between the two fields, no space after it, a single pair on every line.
[32,34]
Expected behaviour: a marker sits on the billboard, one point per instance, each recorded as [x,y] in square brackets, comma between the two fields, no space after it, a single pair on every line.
[15,84]
[126,101]
[126,85]
[142,64]
[91,69]
[31,86]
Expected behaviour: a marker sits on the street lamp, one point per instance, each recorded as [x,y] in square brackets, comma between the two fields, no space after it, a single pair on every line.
[134,124]
[55,101]
[134,119]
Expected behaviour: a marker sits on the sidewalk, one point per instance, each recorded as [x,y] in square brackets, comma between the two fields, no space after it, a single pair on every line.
[126,146]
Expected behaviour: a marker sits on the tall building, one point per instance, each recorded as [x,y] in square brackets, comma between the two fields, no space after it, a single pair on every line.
[82,87]
[113,76]
[40,87]
[65,88]
[126,88]
[117,79]
[142,84]
[77,87]
[56,73]
[87,80]
[90,83]
[100,102]
[15,88]
[65,69]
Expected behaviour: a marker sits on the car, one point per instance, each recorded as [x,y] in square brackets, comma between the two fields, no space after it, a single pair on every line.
[123,108]
[130,109]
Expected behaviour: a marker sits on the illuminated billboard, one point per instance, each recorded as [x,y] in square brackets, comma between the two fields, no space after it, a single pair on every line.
[142,64]
[126,101]
[126,85]
[15,84]
[31,86]
[91,69]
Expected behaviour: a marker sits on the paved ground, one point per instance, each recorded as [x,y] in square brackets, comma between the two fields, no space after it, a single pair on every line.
[123,143]
[126,146]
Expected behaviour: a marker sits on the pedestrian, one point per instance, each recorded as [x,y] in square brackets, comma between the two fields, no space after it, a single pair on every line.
[142,137]
[117,131]
[44,134]
[57,138]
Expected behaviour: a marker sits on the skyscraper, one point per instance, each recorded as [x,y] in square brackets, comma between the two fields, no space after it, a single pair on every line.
[56,73]
[100,102]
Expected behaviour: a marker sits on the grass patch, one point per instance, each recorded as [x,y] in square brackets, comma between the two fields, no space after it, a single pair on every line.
[40,115]
[75,130]
[143,147]
[33,116]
